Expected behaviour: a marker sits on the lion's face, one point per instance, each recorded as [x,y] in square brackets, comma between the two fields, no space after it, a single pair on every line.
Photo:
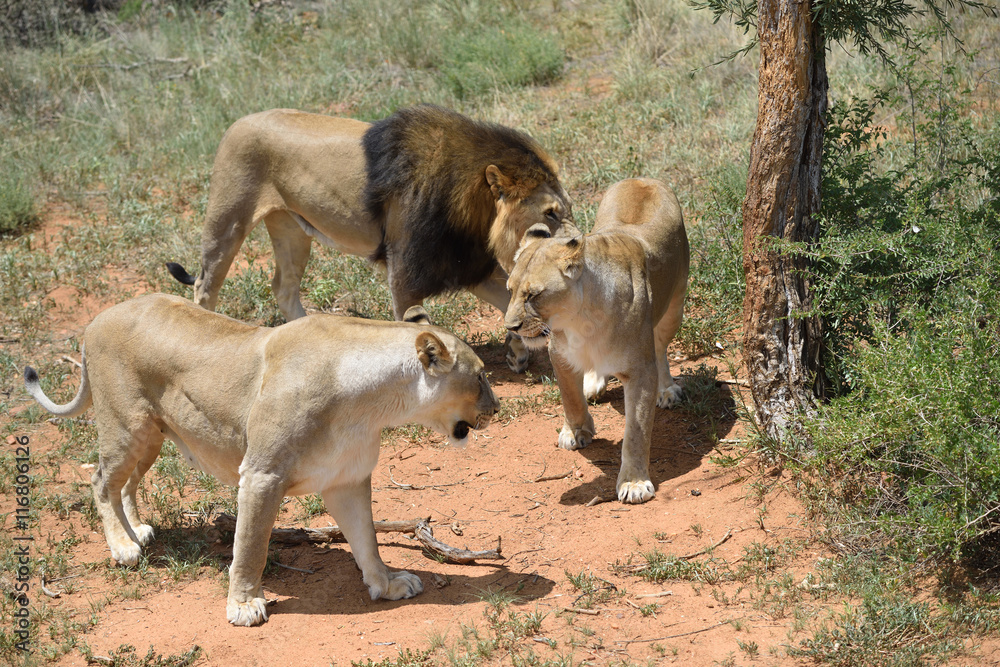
[463,398]
[546,204]
[544,287]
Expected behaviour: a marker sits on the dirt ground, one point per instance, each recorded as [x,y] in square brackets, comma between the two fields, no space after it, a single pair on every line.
[511,484]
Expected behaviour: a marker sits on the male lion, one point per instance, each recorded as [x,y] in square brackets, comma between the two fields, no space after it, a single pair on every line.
[437,198]
[292,410]
[608,303]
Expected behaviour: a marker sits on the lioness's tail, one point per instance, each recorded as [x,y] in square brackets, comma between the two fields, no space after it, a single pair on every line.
[180,273]
[83,399]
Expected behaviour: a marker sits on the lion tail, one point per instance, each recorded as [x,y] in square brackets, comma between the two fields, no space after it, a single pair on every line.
[83,399]
[180,273]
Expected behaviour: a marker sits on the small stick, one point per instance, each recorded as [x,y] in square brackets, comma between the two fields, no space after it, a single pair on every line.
[51,594]
[596,500]
[414,487]
[71,360]
[654,595]
[725,537]
[579,610]
[549,478]
[297,569]
[683,634]
[71,576]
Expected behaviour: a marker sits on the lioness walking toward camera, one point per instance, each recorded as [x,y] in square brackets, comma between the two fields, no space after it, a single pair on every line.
[438,199]
[608,303]
[291,410]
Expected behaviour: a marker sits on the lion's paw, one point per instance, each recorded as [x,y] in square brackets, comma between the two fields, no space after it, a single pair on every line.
[669,397]
[593,385]
[126,553]
[396,586]
[574,438]
[518,354]
[247,614]
[143,533]
[402,585]
[635,492]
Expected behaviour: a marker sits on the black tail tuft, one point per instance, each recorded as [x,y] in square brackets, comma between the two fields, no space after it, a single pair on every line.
[30,376]
[180,273]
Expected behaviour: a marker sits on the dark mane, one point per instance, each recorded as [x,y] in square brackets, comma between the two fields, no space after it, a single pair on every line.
[430,163]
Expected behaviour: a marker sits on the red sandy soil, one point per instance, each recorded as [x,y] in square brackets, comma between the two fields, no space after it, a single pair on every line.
[488,491]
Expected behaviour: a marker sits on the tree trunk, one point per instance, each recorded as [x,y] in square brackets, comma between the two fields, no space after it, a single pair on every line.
[781,348]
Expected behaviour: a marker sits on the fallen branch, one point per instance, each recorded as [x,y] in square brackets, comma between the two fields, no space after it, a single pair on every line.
[419,528]
[319,535]
[297,569]
[449,553]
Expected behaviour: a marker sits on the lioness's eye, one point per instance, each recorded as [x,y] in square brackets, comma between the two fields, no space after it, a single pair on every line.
[551,214]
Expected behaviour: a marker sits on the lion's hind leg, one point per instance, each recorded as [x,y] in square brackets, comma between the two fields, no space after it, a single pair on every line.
[351,506]
[291,254]
[669,393]
[120,454]
[227,225]
[147,455]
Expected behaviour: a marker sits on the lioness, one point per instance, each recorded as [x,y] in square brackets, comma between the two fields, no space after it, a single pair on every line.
[437,198]
[290,410]
[608,303]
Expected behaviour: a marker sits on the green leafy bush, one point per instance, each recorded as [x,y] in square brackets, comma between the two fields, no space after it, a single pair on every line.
[17,207]
[907,277]
[514,54]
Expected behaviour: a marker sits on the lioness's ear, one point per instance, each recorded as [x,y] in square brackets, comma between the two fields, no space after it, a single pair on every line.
[571,263]
[537,231]
[416,315]
[433,354]
[500,185]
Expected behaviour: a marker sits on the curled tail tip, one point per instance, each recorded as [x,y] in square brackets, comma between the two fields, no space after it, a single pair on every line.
[30,375]
[180,273]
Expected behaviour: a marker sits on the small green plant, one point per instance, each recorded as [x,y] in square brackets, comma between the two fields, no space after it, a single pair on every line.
[17,207]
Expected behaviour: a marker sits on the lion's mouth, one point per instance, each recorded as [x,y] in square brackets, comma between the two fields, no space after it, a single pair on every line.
[461,430]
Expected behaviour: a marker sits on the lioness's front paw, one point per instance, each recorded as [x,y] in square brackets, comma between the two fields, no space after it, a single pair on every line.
[399,585]
[575,438]
[143,533]
[518,354]
[593,385]
[126,552]
[247,614]
[670,396]
[635,492]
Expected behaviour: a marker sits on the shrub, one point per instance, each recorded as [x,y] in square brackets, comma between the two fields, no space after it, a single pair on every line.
[515,54]
[17,207]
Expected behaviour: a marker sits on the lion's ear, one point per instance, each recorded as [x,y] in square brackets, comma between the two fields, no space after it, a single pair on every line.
[536,232]
[416,315]
[434,356]
[571,263]
[499,184]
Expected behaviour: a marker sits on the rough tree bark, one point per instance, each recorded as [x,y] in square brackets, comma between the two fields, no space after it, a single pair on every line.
[781,348]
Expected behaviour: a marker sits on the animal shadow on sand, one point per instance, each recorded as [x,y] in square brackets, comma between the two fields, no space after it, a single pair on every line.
[327,580]
[681,440]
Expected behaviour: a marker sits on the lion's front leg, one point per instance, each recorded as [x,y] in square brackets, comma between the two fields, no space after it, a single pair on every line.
[578,425]
[258,500]
[351,506]
[634,485]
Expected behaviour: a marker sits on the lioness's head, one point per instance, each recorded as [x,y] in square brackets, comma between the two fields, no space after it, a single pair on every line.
[522,203]
[544,285]
[462,397]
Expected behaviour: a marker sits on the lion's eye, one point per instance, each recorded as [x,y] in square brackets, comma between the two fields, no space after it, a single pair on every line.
[552,215]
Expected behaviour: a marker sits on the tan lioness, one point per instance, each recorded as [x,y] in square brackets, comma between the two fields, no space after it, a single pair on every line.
[436,198]
[290,410]
[608,303]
